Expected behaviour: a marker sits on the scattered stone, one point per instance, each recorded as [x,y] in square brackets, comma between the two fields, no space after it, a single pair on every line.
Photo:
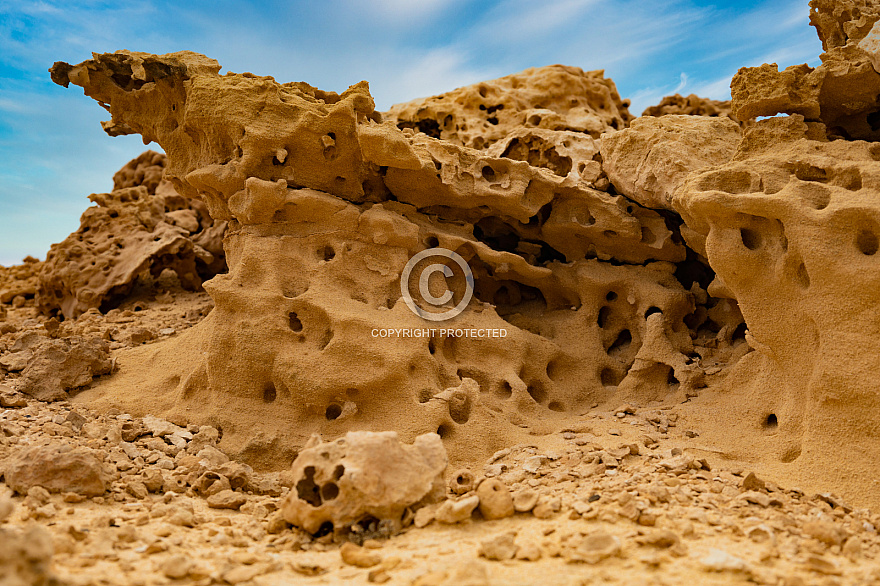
[177,567]
[525,500]
[355,555]
[752,483]
[499,548]
[227,499]
[720,561]
[457,511]
[495,499]
[57,468]
[462,482]
[594,548]
[825,532]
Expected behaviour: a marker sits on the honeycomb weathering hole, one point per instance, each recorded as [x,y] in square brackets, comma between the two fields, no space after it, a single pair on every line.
[269,393]
[771,422]
[333,411]
[296,324]
[306,488]
[867,242]
[751,239]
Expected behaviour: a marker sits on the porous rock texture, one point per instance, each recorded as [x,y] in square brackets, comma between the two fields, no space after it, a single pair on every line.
[363,476]
[692,105]
[326,203]
[19,280]
[788,217]
[142,227]
[841,92]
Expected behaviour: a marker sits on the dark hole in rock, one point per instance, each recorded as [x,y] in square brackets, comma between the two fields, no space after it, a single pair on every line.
[771,422]
[269,393]
[338,472]
[537,392]
[611,296]
[556,406]
[751,239]
[867,242]
[504,390]
[652,310]
[333,411]
[306,489]
[324,529]
[328,253]
[295,323]
[621,344]
[488,173]
[739,334]
[329,491]
[610,377]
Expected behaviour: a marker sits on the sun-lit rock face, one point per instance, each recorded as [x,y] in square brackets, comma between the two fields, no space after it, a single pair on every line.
[326,203]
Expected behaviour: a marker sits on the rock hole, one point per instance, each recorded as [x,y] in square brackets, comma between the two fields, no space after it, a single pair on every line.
[326,528]
[604,313]
[771,422]
[739,334]
[504,390]
[432,347]
[556,406]
[443,431]
[611,296]
[534,120]
[338,472]
[552,370]
[328,253]
[488,173]
[621,344]
[670,377]
[269,393]
[867,243]
[460,407]
[295,324]
[432,242]
[610,377]
[306,488]
[333,411]
[652,310]
[329,491]
[750,238]
[537,392]
[803,278]
[425,395]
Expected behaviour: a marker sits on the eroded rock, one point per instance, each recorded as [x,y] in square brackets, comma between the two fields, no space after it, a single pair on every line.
[363,474]
[142,227]
[56,468]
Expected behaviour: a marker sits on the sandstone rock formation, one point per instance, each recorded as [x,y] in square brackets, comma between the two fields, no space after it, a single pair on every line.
[326,203]
[142,226]
[363,477]
[841,93]
[691,105]
[790,223]
[19,281]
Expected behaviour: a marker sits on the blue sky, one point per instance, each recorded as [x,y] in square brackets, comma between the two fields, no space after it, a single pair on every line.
[53,153]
